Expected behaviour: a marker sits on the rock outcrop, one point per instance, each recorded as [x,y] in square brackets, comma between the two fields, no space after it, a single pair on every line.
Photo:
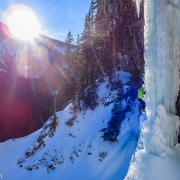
[129,35]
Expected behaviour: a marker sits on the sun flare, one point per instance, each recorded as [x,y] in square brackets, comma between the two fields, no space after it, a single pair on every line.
[23,23]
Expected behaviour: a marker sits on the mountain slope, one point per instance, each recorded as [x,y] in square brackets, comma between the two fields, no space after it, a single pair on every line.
[29,74]
[78,152]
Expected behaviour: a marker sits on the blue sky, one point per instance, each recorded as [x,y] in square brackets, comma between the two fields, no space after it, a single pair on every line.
[56,17]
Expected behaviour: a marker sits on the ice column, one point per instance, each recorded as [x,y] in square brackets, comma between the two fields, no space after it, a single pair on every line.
[138,3]
[162,56]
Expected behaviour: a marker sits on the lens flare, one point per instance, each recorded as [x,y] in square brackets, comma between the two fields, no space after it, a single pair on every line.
[32,60]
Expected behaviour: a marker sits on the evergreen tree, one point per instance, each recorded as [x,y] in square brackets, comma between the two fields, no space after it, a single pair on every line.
[95,50]
[87,48]
[67,85]
[69,41]
[53,115]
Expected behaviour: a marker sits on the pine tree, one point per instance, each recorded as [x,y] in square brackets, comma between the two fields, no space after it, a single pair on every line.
[67,84]
[53,115]
[86,47]
[69,41]
[100,20]
[94,52]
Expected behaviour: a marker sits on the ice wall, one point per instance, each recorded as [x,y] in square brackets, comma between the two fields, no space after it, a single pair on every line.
[162,56]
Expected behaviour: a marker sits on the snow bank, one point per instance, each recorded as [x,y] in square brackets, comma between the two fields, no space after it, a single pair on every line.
[149,167]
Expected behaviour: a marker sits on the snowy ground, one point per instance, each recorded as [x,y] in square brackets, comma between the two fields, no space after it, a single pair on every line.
[146,166]
[150,167]
[76,152]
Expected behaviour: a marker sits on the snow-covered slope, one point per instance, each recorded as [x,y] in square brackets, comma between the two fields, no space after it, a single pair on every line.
[77,152]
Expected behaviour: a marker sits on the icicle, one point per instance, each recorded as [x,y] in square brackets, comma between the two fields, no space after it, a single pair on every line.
[138,3]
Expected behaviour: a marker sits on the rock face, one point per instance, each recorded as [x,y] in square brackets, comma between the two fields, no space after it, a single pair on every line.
[178,111]
[28,76]
[129,34]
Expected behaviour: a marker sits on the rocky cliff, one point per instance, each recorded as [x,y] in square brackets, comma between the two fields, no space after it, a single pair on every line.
[129,35]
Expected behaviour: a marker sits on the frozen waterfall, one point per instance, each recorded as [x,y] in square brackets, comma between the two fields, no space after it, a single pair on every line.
[162,57]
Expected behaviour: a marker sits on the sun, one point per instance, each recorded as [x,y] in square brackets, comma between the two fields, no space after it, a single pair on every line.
[22,23]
